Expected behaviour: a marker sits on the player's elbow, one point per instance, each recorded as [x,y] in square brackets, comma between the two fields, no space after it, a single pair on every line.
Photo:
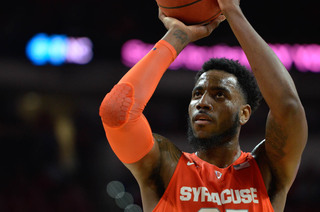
[115,107]
[288,108]
[294,107]
[293,115]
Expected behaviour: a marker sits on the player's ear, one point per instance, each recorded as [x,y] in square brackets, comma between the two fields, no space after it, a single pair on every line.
[245,114]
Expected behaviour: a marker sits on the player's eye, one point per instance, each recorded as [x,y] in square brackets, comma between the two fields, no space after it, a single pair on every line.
[197,93]
[220,94]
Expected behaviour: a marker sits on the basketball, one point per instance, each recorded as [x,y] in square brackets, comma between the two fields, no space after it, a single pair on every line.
[190,12]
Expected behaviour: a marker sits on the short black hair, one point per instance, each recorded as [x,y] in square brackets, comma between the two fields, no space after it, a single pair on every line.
[247,81]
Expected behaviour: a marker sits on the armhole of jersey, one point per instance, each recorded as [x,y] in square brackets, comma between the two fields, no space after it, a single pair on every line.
[259,175]
[173,178]
[261,179]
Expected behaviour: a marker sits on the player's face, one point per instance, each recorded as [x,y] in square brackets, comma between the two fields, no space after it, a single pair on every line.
[215,104]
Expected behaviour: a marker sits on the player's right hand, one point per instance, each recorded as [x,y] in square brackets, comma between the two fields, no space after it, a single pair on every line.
[193,32]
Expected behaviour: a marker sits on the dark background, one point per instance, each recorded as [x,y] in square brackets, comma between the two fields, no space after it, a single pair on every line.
[53,152]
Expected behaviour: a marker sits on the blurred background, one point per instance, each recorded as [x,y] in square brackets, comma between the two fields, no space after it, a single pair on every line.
[54,155]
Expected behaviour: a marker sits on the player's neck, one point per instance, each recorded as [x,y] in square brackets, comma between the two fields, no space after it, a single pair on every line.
[221,156]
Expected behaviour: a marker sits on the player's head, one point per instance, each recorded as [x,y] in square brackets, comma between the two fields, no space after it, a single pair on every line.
[224,96]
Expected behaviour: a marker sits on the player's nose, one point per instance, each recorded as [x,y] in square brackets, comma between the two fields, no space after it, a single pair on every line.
[204,103]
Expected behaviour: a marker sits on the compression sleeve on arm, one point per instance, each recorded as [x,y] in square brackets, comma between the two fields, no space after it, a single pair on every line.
[127,130]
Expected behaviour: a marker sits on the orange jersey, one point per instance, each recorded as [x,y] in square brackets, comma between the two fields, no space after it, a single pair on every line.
[199,186]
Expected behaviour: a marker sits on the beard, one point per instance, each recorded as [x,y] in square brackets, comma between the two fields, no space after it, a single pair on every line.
[215,140]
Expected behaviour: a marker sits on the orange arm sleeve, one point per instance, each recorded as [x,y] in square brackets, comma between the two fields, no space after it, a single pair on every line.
[127,130]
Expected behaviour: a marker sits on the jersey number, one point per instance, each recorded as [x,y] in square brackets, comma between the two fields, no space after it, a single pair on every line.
[217,210]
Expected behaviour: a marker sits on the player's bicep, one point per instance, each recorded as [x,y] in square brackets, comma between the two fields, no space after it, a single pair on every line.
[145,166]
[285,140]
[158,165]
[131,141]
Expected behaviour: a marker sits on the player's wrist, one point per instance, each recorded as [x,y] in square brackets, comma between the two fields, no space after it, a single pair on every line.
[178,38]
[231,10]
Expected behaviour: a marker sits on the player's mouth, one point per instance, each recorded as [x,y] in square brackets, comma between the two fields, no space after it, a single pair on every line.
[202,119]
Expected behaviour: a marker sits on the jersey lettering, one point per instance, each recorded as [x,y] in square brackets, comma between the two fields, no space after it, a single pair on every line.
[234,196]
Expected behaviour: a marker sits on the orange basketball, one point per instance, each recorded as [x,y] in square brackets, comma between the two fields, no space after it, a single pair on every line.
[190,11]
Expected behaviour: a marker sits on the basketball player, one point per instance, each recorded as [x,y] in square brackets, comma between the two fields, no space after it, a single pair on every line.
[218,177]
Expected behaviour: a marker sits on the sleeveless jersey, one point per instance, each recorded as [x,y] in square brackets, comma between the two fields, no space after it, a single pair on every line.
[198,186]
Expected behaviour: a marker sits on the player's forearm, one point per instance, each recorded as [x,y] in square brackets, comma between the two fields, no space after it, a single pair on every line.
[147,73]
[274,81]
